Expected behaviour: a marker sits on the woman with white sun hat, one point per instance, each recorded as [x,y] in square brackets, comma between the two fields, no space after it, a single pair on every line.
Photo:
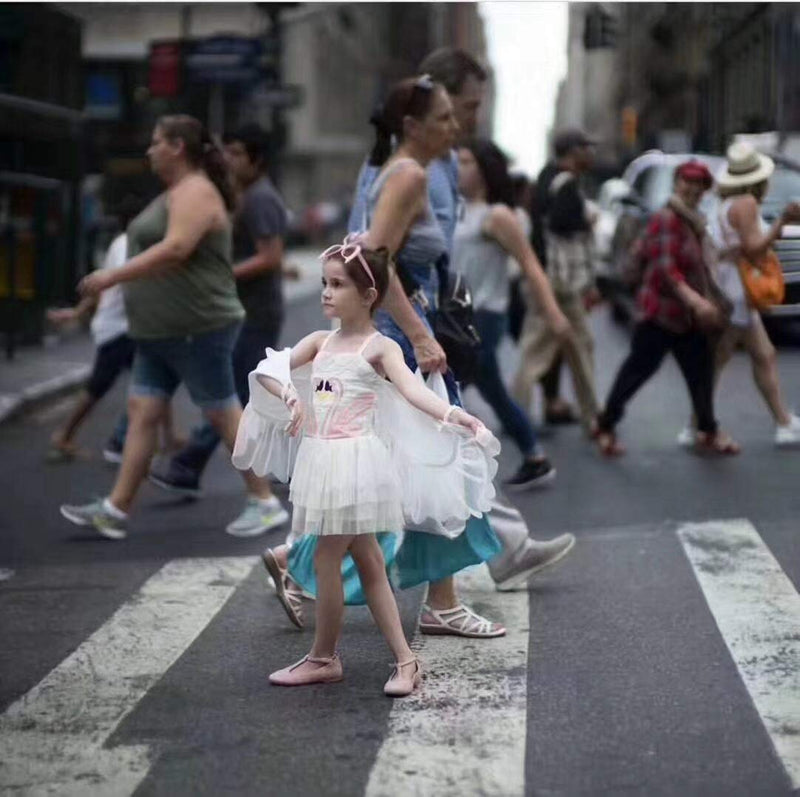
[738,230]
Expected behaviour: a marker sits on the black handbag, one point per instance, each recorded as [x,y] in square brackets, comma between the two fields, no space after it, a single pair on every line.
[454,327]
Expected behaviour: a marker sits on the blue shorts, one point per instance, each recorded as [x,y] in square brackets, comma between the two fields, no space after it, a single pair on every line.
[204,363]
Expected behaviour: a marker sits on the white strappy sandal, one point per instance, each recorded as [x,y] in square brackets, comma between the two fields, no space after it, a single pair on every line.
[461,621]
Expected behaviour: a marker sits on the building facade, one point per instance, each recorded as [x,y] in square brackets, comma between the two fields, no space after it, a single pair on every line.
[683,76]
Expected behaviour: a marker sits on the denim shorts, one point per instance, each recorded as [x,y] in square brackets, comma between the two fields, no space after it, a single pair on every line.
[204,363]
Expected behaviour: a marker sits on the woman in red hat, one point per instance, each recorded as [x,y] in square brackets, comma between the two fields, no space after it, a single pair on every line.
[676,313]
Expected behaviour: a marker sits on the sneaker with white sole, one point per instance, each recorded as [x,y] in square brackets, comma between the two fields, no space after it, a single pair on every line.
[258,517]
[686,437]
[788,436]
[95,514]
[533,557]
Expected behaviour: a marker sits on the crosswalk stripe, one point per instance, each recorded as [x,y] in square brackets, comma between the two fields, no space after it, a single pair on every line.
[463,733]
[51,739]
[757,610]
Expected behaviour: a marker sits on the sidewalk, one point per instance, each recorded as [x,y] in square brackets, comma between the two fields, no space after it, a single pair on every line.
[64,362]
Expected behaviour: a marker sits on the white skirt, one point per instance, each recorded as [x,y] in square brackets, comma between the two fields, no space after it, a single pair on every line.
[345,485]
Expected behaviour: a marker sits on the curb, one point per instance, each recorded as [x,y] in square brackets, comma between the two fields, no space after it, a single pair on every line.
[11,404]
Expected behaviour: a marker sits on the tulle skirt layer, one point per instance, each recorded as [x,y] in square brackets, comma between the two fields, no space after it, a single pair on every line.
[345,486]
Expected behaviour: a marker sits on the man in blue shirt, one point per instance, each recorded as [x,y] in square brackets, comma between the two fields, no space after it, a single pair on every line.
[464,79]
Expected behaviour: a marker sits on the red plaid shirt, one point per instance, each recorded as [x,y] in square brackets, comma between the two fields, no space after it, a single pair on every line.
[672,253]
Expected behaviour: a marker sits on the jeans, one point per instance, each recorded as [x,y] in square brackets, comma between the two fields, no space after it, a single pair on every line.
[649,346]
[248,351]
[492,327]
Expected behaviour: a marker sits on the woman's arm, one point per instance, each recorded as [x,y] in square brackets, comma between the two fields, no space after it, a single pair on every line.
[745,218]
[416,393]
[403,199]
[193,211]
[504,227]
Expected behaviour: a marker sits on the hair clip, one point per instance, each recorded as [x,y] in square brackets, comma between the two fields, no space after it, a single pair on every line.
[424,82]
[350,249]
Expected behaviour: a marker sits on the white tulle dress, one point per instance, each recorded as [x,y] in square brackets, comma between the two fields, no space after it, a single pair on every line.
[366,460]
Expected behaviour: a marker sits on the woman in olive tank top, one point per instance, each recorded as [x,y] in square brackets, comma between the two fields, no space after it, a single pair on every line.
[183,310]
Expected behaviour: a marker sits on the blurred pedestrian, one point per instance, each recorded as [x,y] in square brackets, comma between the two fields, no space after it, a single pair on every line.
[487,233]
[183,311]
[570,268]
[418,118]
[677,312]
[738,231]
[523,200]
[114,354]
[259,230]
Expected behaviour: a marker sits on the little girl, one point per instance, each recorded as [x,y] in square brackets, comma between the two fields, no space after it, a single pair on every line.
[368,461]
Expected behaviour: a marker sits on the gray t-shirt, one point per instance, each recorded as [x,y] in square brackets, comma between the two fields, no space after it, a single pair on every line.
[262,215]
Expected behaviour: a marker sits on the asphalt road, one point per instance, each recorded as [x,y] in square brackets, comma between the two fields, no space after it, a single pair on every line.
[636,666]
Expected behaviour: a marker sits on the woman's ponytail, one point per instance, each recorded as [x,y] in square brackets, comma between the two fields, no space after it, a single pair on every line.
[382,148]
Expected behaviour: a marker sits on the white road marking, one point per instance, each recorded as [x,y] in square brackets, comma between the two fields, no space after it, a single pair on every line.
[463,732]
[51,739]
[757,610]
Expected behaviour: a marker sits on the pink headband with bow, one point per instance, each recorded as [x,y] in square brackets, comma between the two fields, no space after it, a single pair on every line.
[350,249]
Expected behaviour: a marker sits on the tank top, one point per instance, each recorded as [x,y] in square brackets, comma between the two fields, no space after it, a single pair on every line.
[424,243]
[481,259]
[726,273]
[195,297]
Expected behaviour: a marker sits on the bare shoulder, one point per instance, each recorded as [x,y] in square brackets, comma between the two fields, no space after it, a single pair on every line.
[743,210]
[385,345]
[501,215]
[410,180]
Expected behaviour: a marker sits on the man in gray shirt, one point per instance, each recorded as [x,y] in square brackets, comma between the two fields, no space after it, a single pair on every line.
[259,229]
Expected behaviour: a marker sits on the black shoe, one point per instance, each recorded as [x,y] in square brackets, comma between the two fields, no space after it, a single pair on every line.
[186,484]
[532,473]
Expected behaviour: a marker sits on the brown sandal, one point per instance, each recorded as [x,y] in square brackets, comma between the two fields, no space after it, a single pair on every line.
[719,443]
[607,442]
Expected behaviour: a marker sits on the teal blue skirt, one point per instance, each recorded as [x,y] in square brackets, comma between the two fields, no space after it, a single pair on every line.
[421,558]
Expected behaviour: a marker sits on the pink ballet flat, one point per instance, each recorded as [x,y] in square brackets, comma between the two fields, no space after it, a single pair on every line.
[402,683]
[329,671]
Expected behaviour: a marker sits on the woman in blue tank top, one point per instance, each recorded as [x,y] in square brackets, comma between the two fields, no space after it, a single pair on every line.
[418,116]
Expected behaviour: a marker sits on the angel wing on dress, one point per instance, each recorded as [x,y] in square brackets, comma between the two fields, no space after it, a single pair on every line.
[261,441]
[446,472]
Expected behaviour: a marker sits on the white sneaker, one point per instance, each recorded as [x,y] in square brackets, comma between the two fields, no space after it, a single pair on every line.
[686,437]
[257,517]
[789,435]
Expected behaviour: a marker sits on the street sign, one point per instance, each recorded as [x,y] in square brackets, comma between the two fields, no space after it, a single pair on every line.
[223,59]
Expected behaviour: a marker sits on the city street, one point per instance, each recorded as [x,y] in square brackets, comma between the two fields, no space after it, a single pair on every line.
[661,657]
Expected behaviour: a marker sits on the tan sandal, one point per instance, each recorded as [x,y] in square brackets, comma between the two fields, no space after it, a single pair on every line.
[460,621]
[402,684]
[291,599]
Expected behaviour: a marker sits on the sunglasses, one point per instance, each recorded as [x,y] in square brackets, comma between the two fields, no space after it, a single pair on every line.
[348,251]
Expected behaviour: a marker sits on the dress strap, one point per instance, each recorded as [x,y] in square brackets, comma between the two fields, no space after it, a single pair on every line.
[325,342]
[366,343]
